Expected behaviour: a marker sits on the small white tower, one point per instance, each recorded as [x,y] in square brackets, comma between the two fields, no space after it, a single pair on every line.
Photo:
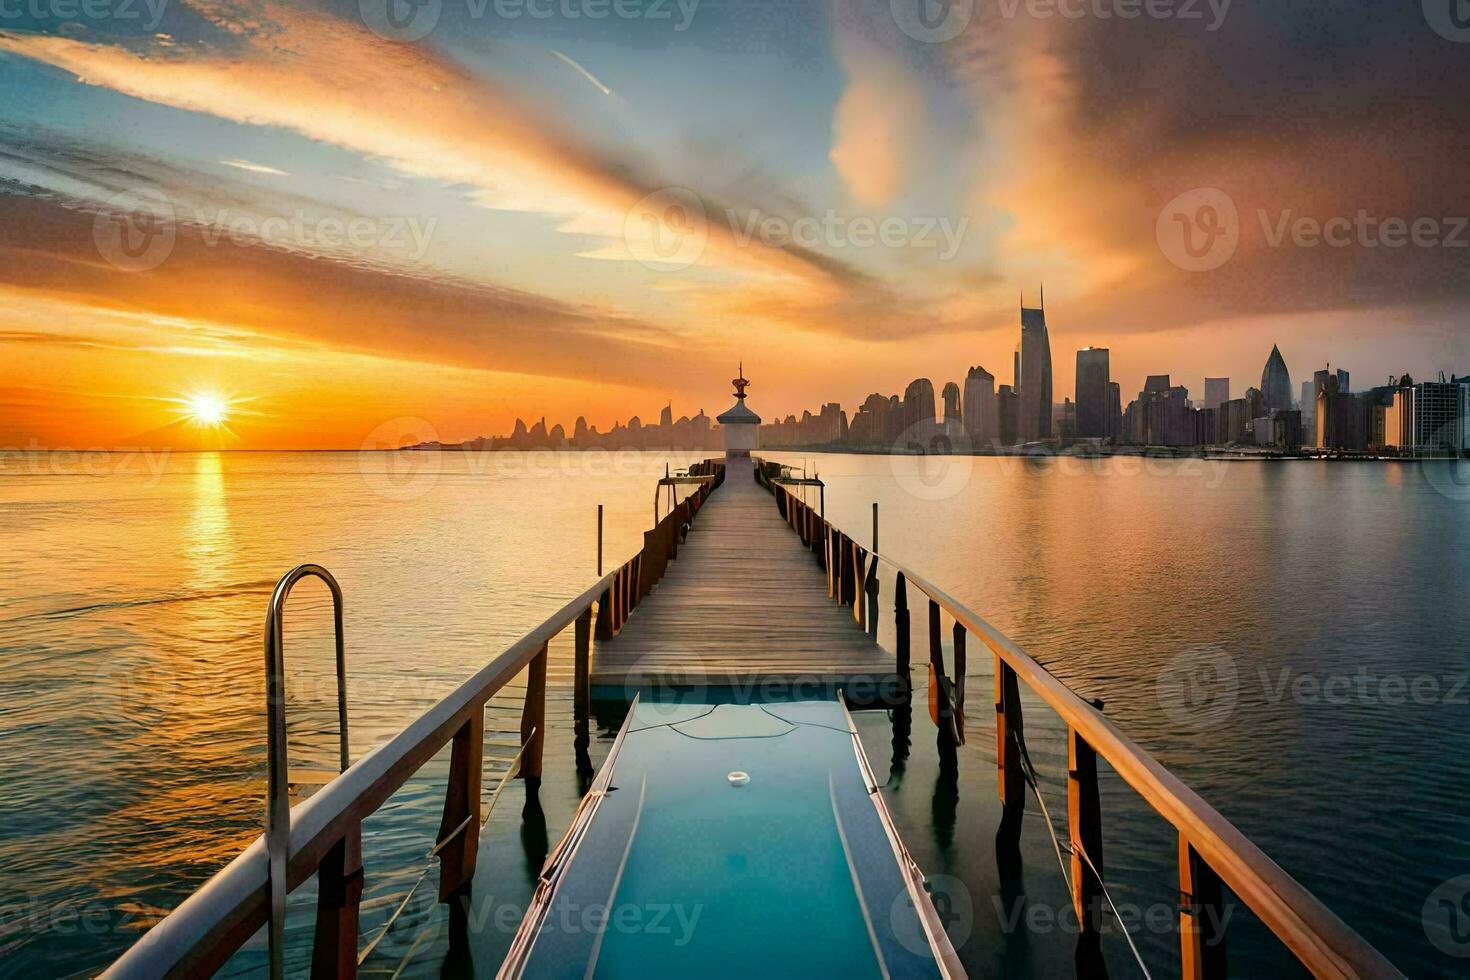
[740,425]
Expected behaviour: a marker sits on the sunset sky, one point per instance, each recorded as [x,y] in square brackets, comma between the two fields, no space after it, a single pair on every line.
[524,212]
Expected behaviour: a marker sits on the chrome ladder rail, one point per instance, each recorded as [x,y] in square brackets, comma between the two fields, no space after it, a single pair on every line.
[278,809]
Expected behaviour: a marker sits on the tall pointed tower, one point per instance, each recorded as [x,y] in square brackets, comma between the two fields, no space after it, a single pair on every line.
[1276,382]
[741,426]
[1034,422]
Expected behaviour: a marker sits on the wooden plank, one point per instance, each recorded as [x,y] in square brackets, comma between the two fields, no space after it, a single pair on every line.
[742,602]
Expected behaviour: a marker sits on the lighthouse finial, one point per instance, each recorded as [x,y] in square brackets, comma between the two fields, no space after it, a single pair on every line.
[740,383]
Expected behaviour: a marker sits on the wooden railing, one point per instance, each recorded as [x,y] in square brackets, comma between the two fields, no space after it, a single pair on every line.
[325,830]
[1212,853]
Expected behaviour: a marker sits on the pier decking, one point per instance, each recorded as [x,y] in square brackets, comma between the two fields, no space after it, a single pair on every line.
[745,602]
[742,601]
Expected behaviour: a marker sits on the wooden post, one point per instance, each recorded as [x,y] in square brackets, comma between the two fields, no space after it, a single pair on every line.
[937,707]
[628,586]
[599,541]
[901,632]
[936,651]
[339,879]
[621,609]
[849,567]
[857,581]
[581,684]
[1201,917]
[614,590]
[959,679]
[834,565]
[533,718]
[1012,780]
[871,586]
[459,830]
[871,591]
[1084,826]
[941,709]
[624,580]
[604,614]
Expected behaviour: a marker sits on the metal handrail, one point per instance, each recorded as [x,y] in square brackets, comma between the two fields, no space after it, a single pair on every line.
[228,908]
[673,483]
[218,918]
[1313,933]
[278,807]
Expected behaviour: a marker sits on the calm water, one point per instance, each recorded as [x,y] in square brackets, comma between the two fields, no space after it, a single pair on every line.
[1318,608]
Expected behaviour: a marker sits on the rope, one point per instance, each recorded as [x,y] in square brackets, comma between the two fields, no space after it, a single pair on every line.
[671,724]
[1078,850]
[1029,772]
[808,724]
[515,763]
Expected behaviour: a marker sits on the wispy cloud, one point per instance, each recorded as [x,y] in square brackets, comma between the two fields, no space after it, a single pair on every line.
[255,168]
[583,72]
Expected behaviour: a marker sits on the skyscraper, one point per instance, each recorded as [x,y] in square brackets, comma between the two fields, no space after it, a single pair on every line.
[1115,411]
[1276,383]
[1217,392]
[1341,418]
[918,407]
[1093,377]
[1319,382]
[952,410]
[1034,423]
[1007,404]
[981,421]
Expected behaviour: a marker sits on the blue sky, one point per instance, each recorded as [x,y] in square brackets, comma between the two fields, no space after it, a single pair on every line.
[568,214]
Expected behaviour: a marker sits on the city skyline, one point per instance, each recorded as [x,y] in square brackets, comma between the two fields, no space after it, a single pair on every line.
[412,428]
[1401,416]
[475,224]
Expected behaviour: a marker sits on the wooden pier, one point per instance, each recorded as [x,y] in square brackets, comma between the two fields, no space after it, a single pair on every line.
[745,604]
[741,583]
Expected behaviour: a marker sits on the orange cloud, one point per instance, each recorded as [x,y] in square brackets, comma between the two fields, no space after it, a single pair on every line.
[878,126]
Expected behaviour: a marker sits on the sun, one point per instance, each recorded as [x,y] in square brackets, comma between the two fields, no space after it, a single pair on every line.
[206,408]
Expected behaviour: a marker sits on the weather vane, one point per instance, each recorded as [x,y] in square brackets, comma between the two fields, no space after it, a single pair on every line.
[740,383]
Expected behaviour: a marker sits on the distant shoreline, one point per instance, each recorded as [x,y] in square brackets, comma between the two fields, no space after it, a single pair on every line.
[1133,452]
